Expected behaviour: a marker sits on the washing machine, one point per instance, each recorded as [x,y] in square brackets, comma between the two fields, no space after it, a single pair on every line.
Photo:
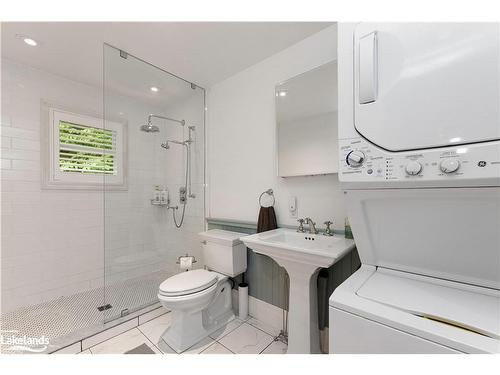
[419,143]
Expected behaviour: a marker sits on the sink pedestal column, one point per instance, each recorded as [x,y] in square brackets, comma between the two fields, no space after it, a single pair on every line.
[303,331]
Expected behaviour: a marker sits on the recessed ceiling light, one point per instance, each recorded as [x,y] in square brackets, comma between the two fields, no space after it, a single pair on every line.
[154,89]
[26,39]
[281,93]
[30,42]
[455,140]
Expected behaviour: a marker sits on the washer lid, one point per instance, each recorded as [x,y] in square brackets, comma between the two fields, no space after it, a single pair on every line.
[188,283]
[464,306]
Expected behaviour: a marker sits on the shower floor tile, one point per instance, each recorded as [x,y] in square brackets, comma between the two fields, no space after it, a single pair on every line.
[66,315]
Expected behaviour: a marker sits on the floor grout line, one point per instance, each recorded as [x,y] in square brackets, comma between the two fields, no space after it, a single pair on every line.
[155,345]
[121,333]
[225,347]
[231,331]
[262,351]
[147,321]
[209,346]
[151,342]
[267,333]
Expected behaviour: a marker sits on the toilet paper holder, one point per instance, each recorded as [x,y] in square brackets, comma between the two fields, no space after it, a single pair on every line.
[193,259]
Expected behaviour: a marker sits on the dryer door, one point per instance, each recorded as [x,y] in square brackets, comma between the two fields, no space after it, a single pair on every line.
[423,85]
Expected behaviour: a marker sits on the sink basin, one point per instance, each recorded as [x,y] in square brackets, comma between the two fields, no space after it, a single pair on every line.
[302,255]
[316,249]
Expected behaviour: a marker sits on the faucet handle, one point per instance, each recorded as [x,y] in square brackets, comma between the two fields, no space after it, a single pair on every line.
[328,230]
[300,229]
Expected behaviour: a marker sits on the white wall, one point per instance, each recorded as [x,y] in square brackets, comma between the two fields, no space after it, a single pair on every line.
[241,141]
[52,241]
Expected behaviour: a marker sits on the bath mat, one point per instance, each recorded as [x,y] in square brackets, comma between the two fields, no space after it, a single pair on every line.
[141,349]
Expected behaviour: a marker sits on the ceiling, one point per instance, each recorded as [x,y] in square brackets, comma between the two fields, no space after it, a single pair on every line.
[200,52]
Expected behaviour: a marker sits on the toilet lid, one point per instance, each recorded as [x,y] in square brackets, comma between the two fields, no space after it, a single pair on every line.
[188,282]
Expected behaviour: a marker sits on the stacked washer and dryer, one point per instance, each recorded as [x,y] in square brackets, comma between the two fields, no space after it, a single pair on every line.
[419,139]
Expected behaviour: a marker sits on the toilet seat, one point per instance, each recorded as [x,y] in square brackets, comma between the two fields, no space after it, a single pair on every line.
[188,283]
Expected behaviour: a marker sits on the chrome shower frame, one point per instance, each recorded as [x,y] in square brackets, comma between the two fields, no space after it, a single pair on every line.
[151,115]
[187,143]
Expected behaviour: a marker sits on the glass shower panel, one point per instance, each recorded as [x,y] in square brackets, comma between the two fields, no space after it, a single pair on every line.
[159,158]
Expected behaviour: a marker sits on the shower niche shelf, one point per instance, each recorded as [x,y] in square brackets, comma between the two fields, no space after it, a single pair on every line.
[163,204]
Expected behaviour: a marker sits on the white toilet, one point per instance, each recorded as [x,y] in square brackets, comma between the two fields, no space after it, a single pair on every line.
[200,300]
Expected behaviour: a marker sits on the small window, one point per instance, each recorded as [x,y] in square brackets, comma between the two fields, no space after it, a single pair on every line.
[84,151]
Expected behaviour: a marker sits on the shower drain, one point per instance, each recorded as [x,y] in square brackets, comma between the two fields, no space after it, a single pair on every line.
[104,307]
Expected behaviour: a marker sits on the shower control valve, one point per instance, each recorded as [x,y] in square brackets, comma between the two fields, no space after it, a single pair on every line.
[182,194]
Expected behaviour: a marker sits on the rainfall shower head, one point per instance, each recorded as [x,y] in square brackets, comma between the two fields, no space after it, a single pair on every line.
[150,128]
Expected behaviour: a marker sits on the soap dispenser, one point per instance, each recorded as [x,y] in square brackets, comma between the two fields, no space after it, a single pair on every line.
[164,195]
[348,231]
[156,195]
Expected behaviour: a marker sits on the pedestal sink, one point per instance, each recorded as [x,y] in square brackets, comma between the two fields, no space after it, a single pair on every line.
[302,255]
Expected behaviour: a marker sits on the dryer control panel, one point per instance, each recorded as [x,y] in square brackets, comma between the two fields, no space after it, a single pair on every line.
[362,162]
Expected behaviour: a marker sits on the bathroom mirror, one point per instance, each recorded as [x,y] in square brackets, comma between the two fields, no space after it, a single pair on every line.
[306,123]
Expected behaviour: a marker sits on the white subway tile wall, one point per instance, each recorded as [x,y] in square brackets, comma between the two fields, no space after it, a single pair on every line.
[53,241]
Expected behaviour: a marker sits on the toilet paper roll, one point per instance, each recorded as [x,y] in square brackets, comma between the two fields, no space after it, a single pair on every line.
[186,263]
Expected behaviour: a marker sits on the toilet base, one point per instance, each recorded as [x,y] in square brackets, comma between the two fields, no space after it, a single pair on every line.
[189,326]
[188,330]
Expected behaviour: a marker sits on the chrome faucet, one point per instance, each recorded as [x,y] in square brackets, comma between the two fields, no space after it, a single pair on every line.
[328,231]
[312,228]
[301,229]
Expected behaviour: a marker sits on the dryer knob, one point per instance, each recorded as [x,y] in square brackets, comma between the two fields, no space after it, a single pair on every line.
[355,158]
[449,165]
[413,168]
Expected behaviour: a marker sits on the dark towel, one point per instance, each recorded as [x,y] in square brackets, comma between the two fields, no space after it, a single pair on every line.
[267,219]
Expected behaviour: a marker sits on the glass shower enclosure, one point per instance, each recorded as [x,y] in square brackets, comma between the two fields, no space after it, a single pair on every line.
[154,196]
[148,186]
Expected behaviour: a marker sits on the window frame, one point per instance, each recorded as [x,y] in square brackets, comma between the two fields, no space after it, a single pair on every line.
[54,178]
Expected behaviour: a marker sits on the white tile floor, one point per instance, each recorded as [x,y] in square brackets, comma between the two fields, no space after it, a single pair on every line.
[245,337]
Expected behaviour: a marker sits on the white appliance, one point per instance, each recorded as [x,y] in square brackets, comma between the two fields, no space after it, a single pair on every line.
[419,139]
[200,300]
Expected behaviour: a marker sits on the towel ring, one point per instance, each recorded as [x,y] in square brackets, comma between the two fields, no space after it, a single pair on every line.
[268,192]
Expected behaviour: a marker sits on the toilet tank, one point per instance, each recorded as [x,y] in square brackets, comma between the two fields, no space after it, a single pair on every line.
[224,252]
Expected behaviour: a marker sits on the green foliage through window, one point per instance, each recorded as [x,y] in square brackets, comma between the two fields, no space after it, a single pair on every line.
[85,149]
